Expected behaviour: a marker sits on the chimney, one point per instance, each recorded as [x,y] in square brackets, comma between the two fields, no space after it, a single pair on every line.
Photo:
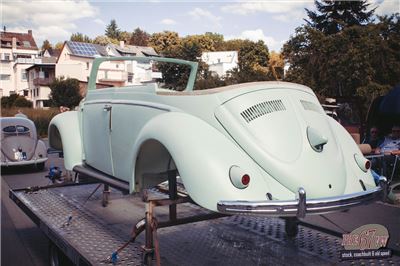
[14,43]
[122,44]
[4,28]
[30,32]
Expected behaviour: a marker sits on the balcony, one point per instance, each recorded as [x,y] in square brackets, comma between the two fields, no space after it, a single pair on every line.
[28,61]
[42,81]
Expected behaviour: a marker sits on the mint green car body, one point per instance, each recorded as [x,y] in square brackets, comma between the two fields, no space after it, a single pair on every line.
[277,132]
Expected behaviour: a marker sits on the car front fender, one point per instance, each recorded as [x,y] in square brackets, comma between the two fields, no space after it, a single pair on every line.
[64,134]
[203,157]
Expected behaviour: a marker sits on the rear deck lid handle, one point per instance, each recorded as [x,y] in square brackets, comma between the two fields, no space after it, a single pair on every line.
[316,139]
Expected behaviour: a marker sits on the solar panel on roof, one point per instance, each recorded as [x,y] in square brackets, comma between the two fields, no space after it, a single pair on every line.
[85,49]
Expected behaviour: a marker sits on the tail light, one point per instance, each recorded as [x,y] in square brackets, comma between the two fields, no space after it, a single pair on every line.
[362,162]
[239,177]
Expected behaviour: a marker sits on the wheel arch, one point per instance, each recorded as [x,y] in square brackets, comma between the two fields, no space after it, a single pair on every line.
[202,155]
[64,134]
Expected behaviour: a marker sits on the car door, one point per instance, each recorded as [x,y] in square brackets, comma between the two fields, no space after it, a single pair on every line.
[97,111]
[132,108]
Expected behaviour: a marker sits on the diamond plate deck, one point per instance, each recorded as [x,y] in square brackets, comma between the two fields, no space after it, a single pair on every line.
[95,232]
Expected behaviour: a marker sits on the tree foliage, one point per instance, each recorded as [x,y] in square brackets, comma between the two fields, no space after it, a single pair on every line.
[139,37]
[65,92]
[46,45]
[349,59]
[79,37]
[104,40]
[333,16]
[112,31]
[15,100]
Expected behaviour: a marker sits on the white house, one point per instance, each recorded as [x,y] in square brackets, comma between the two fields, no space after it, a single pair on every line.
[220,62]
[76,59]
[18,52]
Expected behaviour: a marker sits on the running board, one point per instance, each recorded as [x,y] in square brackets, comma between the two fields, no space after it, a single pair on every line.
[102,177]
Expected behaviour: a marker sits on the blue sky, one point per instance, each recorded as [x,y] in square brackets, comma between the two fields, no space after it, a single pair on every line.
[270,20]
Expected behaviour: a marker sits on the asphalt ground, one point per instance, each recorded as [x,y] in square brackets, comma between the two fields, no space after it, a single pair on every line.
[22,242]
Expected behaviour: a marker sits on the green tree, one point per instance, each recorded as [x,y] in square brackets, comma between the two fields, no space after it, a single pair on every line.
[359,60]
[139,37]
[253,62]
[125,36]
[104,40]
[46,45]
[112,31]
[65,92]
[333,16]
[164,43]
[79,37]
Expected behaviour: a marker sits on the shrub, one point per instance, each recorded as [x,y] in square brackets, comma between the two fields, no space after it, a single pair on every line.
[65,92]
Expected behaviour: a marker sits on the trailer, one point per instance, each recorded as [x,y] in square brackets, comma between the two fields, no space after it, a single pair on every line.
[93,224]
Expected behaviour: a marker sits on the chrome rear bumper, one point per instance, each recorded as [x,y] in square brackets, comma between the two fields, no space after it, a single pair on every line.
[302,206]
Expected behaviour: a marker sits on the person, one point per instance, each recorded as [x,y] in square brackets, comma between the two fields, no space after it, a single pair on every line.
[373,139]
[391,142]
[389,145]
[20,114]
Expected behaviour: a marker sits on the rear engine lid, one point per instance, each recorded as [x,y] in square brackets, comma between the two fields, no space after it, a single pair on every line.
[286,132]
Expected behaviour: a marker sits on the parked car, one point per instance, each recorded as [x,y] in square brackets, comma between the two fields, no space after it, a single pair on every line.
[264,148]
[20,144]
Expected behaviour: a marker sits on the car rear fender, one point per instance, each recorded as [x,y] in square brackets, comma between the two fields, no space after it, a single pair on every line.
[203,157]
[64,134]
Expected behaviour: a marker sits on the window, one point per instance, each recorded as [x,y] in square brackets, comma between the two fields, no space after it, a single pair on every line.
[130,77]
[5,77]
[87,65]
[5,57]
[46,74]
[16,130]
[23,75]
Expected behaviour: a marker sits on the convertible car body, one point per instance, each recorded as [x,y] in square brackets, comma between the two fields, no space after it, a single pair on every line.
[265,148]
[20,144]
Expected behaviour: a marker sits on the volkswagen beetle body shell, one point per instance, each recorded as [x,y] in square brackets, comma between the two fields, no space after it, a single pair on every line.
[20,144]
[275,132]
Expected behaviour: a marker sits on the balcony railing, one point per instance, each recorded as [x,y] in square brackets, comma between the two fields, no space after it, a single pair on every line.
[28,61]
[42,81]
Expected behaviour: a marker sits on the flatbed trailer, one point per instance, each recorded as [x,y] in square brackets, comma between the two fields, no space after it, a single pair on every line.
[75,220]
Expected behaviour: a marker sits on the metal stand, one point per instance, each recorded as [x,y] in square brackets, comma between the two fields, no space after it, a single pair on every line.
[106,195]
[150,224]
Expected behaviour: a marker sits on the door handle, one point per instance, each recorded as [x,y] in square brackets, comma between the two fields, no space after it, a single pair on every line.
[107,108]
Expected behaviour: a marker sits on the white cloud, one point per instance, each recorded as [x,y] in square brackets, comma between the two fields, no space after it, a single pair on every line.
[385,7]
[256,35]
[283,10]
[168,21]
[52,20]
[204,15]
[99,21]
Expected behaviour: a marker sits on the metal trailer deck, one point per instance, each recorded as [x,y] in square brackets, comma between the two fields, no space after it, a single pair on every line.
[95,232]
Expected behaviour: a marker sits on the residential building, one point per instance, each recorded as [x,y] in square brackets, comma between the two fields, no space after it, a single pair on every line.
[18,52]
[76,60]
[40,76]
[220,62]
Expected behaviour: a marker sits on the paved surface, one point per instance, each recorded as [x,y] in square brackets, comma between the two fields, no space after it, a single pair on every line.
[22,242]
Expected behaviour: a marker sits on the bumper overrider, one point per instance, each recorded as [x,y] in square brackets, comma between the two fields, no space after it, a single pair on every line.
[303,206]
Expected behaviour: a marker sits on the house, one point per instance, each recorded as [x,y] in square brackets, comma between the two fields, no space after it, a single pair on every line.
[40,76]
[18,52]
[220,62]
[137,72]
[76,60]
